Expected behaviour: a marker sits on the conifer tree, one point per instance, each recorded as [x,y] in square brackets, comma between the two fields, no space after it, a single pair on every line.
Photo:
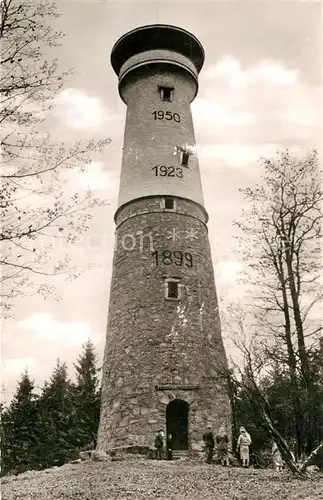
[56,416]
[86,396]
[19,429]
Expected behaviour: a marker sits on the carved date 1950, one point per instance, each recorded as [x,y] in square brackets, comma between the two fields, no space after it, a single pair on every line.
[166,115]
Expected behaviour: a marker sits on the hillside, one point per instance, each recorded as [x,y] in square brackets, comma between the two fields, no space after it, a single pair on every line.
[145,480]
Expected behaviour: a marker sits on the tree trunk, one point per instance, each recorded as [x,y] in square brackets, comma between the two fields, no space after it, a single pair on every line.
[303,356]
[310,458]
[292,365]
[233,409]
[298,322]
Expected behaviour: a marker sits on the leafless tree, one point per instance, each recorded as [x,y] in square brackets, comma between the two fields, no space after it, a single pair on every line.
[248,376]
[281,247]
[36,209]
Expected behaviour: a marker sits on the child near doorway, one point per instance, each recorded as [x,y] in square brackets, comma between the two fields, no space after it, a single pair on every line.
[169,447]
[159,445]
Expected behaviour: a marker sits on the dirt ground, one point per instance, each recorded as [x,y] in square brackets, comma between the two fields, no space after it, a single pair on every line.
[140,479]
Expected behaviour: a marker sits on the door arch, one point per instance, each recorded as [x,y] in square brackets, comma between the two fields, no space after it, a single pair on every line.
[177,423]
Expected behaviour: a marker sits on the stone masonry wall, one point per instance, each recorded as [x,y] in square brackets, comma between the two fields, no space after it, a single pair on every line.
[153,343]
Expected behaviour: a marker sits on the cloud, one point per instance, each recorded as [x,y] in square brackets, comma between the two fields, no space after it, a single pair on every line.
[103,184]
[236,154]
[95,178]
[15,366]
[79,110]
[227,271]
[44,327]
[246,112]
[39,339]
[267,72]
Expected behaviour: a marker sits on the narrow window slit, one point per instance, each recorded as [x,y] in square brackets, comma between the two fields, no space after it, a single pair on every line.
[166,93]
[172,290]
[185,158]
[169,203]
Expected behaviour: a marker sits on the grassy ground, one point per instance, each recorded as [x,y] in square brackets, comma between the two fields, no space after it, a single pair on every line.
[145,480]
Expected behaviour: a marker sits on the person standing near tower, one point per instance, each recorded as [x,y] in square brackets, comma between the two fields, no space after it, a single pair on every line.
[159,444]
[222,444]
[276,456]
[169,447]
[208,439]
[244,441]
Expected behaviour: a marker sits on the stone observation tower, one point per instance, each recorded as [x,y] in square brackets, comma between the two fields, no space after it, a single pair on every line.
[163,345]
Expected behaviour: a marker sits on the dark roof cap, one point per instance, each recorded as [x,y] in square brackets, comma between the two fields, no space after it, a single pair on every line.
[153,37]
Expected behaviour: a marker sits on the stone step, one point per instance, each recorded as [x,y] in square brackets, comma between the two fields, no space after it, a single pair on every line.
[179,454]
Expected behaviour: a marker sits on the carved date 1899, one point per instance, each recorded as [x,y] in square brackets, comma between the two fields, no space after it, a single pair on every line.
[166,258]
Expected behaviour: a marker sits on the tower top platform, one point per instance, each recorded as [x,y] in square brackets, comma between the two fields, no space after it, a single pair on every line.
[154,37]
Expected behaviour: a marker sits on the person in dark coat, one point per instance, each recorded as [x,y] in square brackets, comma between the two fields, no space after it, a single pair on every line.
[159,444]
[208,439]
[169,447]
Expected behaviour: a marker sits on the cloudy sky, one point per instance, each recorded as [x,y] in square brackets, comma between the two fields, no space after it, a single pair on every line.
[259,91]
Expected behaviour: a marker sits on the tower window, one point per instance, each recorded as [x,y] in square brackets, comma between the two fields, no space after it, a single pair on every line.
[185,158]
[172,291]
[166,93]
[169,203]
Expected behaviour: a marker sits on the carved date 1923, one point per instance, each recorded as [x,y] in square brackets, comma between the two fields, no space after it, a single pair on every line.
[164,171]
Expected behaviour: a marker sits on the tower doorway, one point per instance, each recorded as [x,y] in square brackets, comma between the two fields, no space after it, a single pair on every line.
[177,423]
